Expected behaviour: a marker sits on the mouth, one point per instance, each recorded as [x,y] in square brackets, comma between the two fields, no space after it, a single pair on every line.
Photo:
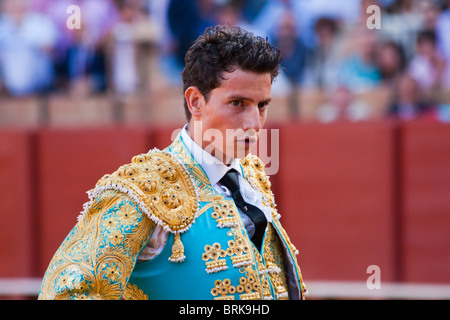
[249,141]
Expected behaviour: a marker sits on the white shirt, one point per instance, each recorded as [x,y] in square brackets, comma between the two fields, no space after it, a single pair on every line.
[215,170]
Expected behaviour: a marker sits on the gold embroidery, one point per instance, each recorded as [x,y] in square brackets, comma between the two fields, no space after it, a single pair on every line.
[240,248]
[194,168]
[294,253]
[127,215]
[177,250]
[267,293]
[224,214]
[95,261]
[162,188]
[217,255]
[134,293]
[240,253]
[248,289]
[250,286]
[254,173]
[262,273]
[224,289]
[273,257]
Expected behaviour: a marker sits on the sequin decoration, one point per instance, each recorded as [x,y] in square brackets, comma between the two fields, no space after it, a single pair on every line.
[162,188]
[214,258]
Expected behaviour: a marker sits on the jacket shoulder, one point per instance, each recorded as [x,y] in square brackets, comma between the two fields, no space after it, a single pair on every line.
[161,187]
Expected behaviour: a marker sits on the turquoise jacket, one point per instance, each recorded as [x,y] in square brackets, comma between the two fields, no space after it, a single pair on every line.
[208,253]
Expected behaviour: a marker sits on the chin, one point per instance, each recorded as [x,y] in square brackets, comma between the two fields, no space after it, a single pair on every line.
[242,153]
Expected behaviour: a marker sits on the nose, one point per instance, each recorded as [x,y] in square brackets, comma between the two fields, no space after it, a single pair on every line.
[253,119]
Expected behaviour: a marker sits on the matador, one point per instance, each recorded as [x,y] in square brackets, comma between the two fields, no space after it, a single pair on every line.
[195,220]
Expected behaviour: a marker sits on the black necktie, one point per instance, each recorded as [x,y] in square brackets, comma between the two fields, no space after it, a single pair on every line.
[231,181]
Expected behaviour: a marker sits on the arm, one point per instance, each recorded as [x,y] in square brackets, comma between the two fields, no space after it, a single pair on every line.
[97,257]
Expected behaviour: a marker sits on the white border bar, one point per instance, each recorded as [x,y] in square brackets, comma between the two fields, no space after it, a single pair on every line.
[316,290]
[359,290]
[20,286]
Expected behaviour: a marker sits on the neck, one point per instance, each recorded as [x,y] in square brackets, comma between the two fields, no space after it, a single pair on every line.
[196,135]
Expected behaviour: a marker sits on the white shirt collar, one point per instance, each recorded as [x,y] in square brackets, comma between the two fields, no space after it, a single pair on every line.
[216,169]
[213,167]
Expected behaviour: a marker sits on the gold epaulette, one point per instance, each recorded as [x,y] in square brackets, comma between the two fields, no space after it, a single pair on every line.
[162,188]
[254,173]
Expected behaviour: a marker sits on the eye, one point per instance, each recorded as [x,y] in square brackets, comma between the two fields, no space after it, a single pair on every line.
[263,105]
[236,103]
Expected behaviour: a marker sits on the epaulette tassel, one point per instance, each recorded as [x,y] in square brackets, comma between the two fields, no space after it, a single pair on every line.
[177,250]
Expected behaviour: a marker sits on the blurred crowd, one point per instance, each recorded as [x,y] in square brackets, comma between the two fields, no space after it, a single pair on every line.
[126,46]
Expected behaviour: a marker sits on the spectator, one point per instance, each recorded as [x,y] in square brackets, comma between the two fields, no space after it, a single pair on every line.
[442,27]
[57,12]
[157,12]
[132,39]
[306,12]
[344,13]
[359,71]
[443,112]
[187,20]
[79,57]
[391,62]
[430,11]
[400,23]
[252,8]
[409,102]
[428,66]
[86,60]
[26,43]
[322,61]
[443,36]
[287,39]
[343,106]
[230,13]
[270,16]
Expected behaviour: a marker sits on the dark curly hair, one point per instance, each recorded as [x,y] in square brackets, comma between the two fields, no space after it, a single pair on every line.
[224,49]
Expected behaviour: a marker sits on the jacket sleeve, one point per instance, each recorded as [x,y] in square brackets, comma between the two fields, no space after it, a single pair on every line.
[96,259]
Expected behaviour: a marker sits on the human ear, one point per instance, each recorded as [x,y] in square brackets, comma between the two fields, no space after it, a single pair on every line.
[195,101]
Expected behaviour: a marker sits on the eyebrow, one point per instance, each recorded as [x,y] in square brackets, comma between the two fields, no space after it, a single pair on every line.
[266,101]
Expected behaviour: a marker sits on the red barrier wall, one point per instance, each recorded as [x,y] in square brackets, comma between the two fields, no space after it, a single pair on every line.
[70,163]
[426,202]
[162,136]
[335,197]
[350,195]
[16,195]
